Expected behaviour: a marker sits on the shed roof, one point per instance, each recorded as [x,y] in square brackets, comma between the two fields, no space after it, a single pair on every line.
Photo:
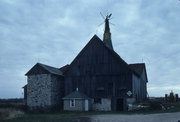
[76,95]
[138,68]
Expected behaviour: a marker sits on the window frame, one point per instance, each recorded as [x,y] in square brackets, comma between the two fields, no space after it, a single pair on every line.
[72,103]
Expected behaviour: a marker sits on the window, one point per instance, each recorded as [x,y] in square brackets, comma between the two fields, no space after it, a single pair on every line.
[72,103]
[97,100]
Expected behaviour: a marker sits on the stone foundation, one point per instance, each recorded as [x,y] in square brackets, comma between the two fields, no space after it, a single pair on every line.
[105,105]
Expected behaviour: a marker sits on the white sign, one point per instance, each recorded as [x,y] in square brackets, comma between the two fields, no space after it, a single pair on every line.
[129,93]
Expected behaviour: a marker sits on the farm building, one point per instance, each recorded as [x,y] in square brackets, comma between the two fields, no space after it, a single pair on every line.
[76,101]
[104,80]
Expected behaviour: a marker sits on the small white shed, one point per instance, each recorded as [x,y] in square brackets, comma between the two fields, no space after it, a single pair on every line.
[76,101]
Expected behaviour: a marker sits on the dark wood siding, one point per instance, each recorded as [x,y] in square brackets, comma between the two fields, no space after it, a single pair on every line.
[94,69]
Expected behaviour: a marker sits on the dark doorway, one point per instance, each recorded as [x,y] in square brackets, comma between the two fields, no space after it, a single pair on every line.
[119,104]
[110,89]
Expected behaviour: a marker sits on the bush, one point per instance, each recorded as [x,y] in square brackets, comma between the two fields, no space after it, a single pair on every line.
[155,105]
[8,113]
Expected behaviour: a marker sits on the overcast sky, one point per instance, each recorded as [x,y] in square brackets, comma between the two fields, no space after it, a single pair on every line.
[53,32]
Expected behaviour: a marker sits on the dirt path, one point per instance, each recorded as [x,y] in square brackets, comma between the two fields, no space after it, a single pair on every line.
[162,117]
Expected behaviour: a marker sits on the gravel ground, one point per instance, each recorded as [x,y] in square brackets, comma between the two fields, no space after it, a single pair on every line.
[162,117]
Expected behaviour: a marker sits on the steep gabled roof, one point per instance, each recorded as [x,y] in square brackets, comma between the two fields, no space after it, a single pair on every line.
[76,95]
[120,59]
[49,69]
[138,67]
[97,39]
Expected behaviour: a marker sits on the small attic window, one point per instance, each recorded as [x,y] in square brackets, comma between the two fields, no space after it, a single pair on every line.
[97,100]
[72,103]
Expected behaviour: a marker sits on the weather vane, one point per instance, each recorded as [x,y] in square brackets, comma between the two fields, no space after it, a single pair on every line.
[108,17]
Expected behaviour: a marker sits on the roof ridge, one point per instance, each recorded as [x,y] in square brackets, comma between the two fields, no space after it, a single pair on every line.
[47,65]
[51,69]
[136,64]
[76,94]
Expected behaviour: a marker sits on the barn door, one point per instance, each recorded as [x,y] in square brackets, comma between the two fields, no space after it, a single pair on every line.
[119,104]
[86,105]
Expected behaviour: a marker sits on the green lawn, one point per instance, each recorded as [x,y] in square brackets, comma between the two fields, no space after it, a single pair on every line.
[54,117]
[43,118]
[76,116]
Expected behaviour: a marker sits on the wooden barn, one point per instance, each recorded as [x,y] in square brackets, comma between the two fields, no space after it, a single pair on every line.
[97,71]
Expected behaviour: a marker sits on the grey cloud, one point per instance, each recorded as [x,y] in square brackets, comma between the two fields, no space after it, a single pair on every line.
[53,32]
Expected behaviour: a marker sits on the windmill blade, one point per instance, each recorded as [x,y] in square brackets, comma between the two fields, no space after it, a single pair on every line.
[110,15]
[100,24]
[112,23]
[102,15]
[111,18]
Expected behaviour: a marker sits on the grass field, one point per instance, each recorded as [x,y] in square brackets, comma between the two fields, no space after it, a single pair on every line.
[51,117]
[14,115]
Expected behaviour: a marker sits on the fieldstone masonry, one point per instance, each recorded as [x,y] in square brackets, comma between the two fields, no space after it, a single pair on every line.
[105,105]
[43,91]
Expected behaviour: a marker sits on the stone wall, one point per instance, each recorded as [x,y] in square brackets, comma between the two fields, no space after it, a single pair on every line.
[43,91]
[79,105]
[105,105]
